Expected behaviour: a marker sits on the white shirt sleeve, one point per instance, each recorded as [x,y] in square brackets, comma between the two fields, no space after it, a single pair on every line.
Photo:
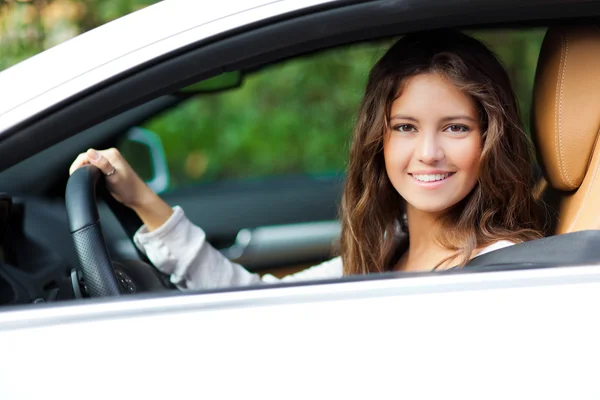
[179,249]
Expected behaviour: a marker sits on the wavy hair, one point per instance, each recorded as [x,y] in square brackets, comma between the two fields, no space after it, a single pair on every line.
[500,206]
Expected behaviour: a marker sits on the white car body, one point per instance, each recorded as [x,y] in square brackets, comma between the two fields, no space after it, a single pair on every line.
[530,334]
[519,334]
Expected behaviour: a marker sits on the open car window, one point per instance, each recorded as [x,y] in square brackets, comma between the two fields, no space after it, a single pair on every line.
[267,158]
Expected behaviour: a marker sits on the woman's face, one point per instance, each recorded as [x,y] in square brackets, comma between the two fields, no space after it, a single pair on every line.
[433,143]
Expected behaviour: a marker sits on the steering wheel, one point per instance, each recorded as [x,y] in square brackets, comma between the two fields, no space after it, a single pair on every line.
[101,276]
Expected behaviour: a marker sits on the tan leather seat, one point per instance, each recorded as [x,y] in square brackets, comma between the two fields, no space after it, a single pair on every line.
[566,124]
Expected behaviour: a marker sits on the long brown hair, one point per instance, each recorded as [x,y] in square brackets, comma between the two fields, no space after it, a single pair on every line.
[501,205]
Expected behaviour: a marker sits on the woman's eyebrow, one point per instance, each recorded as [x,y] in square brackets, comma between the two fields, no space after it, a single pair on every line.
[445,119]
[398,116]
[455,117]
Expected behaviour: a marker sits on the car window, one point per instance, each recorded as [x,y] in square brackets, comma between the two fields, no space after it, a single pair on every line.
[267,159]
[293,117]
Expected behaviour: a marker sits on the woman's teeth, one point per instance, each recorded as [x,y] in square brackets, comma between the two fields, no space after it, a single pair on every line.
[430,177]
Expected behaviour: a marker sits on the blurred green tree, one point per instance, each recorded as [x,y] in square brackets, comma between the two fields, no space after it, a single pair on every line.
[28,27]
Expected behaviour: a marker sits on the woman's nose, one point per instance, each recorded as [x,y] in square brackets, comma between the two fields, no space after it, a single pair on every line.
[429,149]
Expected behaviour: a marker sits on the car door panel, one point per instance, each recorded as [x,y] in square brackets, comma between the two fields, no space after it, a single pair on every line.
[276,222]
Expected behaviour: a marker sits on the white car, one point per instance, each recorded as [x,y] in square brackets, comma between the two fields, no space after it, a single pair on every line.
[516,323]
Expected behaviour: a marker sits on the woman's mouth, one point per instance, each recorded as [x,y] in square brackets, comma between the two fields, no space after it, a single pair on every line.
[426,178]
[432,181]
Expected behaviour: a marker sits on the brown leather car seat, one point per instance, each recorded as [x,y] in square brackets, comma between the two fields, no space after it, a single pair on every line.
[566,124]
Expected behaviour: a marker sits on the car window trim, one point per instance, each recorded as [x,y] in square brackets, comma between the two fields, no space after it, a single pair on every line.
[296,293]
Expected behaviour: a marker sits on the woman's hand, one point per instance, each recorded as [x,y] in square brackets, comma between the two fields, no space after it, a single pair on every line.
[125,185]
[121,180]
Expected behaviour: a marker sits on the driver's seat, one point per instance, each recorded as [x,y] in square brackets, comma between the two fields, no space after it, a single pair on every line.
[566,126]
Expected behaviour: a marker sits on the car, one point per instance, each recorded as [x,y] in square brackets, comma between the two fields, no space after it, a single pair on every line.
[516,322]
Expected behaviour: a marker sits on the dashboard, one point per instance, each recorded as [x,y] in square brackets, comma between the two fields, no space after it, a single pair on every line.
[37,257]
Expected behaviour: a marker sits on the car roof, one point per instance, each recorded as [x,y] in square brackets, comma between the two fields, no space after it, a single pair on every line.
[103,53]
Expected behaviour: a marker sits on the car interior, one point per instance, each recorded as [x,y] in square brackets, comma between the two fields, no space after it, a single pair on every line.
[279,224]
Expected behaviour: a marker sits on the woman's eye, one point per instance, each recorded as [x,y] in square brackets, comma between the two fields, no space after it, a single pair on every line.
[458,128]
[404,128]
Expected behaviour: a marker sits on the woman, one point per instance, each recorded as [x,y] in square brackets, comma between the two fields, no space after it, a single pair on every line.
[440,172]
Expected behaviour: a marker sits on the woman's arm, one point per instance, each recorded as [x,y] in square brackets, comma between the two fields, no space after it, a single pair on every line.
[173,244]
[179,248]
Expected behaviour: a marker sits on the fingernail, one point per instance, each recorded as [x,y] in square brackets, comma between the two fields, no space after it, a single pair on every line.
[94,155]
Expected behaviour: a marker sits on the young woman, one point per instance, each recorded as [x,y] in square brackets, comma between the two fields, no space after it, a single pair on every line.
[439,172]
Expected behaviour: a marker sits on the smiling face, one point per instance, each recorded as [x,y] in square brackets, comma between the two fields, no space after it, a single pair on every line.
[433,143]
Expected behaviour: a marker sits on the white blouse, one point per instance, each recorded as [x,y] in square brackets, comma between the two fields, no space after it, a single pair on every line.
[179,248]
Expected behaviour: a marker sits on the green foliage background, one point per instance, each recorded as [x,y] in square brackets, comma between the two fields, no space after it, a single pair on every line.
[291,118]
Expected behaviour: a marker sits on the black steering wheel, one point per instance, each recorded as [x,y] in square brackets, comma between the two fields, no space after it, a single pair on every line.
[101,276]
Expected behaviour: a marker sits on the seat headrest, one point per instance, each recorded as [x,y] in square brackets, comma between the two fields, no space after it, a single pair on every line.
[566,104]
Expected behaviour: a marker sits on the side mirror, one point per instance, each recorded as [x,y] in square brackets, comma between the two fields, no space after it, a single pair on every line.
[143,149]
